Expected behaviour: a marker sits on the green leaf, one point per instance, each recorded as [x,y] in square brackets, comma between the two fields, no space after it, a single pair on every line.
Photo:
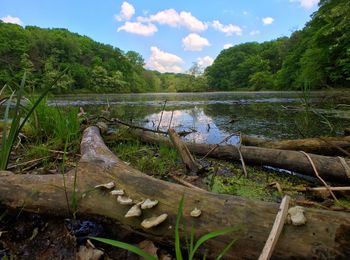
[177,235]
[209,236]
[125,246]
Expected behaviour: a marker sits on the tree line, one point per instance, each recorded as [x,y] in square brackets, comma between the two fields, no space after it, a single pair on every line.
[92,66]
[318,56]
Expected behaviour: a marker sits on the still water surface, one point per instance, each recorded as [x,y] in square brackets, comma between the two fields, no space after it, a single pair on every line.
[215,116]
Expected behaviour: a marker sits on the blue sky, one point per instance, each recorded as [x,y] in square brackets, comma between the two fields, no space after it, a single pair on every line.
[170,35]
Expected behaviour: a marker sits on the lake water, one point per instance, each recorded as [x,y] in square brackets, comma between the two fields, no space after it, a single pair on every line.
[216,115]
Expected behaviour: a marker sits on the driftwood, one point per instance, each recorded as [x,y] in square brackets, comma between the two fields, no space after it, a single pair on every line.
[183,151]
[276,229]
[329,168]
[322,145]
[325,235]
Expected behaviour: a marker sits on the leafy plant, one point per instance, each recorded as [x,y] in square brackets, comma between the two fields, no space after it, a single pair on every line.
[192,246]
[19,119]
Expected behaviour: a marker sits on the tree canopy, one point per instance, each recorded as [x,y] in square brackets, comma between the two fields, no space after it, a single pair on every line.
[317,56]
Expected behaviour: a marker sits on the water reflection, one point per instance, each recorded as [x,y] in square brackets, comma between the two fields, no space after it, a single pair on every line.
[206,130]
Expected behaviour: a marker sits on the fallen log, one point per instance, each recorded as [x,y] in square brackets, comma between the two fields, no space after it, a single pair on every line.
[329,168]
[326,233]
[183,151]
[322,145]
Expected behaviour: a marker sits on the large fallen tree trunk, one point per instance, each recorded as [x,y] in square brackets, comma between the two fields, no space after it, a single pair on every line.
[325,235]
[329,168]
[321,145]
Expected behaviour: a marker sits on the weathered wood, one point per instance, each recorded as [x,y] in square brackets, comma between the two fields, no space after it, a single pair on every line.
[325,234]
[323,145]
[329,168]
[276,230]
[183,151]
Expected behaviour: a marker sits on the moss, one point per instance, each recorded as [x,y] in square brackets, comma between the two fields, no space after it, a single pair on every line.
[257,185]
[343,203]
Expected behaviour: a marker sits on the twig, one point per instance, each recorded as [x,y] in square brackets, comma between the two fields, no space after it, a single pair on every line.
[318,176]
[171,119]
[335,146]
[161,115]
[278,187]
[117,121]
[276,229]
[345,165]
[185,183]
[325,189]
[27,162]
[309,203]
[217,145]
[241,156]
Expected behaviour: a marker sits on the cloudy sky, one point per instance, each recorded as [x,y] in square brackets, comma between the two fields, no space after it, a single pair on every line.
[169,34]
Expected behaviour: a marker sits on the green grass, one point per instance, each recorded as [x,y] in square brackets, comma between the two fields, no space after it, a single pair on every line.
[20,117]
[55,126]
[153,160]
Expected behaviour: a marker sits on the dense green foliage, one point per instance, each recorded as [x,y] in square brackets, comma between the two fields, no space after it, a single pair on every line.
[317,56]
[92,66]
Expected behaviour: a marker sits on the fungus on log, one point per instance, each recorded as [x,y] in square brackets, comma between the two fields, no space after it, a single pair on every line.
[324,235]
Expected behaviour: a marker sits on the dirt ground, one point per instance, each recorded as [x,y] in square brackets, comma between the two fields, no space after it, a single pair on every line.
[31,236]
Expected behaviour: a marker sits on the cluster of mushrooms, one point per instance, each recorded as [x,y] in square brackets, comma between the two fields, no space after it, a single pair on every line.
[138,206]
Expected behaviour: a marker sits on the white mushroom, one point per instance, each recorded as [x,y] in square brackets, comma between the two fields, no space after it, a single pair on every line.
[147,204]
[296,216]
[124,200]
[109,185]
[196,213]
[134,211]
[117,192]
[154,221]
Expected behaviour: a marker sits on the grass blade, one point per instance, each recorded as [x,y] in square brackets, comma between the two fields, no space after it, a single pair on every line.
[177,234]
[224,251]
[4,144]
[43,94]
[125,246]
[209,236]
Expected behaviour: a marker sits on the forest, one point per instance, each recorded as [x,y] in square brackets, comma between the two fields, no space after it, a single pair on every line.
[317,57]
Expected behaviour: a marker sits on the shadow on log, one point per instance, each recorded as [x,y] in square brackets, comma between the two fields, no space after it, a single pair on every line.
[329,168]
[324,235]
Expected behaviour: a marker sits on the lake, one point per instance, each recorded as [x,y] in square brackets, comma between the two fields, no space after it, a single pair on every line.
[216,115]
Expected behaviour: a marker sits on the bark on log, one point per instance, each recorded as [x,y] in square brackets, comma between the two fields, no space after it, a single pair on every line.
[329,168]
[326,233]
[323,146]
[183,151]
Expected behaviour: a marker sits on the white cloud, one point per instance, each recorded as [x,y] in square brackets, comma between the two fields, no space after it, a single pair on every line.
[267,20]
[204,62]
[126,12]
[11,19]
[253,33]
[172,18]
[164,61]
[138,28]
[194,42]
[228,29]
[307,4]
[245,13]
[228,45]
